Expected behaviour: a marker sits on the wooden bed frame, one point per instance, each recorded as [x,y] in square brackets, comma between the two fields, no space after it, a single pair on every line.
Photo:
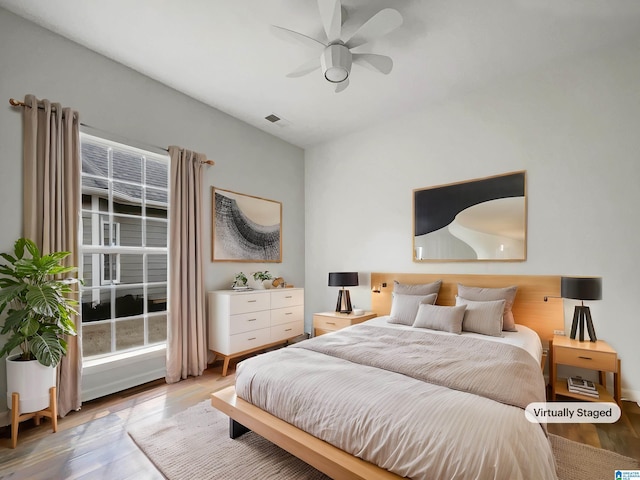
[530,309]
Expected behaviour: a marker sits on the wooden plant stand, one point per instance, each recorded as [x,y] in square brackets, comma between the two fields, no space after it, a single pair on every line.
[50,412]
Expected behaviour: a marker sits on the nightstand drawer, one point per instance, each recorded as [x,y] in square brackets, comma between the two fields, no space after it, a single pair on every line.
[330,323]
[586,359]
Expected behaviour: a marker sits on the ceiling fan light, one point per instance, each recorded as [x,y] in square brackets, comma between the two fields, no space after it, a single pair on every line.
[336,74]
[336,63]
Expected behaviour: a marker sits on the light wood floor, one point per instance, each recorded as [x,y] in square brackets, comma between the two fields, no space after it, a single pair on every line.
[93,443]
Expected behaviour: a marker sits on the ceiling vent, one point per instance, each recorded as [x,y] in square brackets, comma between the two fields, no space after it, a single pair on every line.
[279,121]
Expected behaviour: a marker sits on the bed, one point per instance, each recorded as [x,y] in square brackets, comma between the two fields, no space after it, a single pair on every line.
[383,400]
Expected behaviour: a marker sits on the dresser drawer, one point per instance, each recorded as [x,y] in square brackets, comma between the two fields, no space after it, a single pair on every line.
[330,323]
[286,330]
[249,340]
[606,361]
[245,322]
[287,298]
[249,302]
[286,315]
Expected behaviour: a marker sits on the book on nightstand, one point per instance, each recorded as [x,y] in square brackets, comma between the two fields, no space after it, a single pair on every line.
[582,386]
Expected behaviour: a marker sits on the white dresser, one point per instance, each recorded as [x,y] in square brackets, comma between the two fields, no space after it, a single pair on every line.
[244,322]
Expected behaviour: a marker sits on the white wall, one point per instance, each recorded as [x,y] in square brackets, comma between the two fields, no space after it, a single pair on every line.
[115,99]
[574,127]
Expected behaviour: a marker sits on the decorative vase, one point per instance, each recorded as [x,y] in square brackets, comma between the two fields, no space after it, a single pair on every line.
[32,381]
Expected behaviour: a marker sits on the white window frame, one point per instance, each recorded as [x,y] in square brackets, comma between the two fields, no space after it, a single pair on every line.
[102,246]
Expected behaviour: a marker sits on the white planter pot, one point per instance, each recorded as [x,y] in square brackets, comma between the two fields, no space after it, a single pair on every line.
[32,381]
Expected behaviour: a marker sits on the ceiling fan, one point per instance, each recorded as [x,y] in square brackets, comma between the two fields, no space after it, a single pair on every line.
[336,55]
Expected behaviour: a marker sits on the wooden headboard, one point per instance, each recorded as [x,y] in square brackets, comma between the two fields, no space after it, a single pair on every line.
[529,307]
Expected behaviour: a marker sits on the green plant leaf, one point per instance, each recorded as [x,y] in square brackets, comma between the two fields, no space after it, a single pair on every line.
[11,292]
[18,248]
[47,349]
[43,299]
[8,258]
[14,320]
[30,327]
[13,342]
[32,248]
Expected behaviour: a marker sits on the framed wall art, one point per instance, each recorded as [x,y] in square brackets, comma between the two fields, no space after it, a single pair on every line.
[245,228]
[481,219]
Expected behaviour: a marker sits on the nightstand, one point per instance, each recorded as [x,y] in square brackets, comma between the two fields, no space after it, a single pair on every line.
[326,322]
[591,355]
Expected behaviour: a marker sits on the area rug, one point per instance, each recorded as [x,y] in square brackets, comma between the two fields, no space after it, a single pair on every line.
[195,444]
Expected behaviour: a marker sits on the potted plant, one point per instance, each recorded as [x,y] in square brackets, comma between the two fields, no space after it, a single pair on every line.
[39,314]
[260,277]
[240,281]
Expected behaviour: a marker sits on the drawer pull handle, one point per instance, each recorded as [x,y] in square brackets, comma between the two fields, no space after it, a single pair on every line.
[288,313]
[289,296]
[251,301]
[331,323]
[585,358]
[252,320]
[252,338]
[288,329]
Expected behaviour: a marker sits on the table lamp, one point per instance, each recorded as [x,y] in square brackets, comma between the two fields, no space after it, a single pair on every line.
[343,279]
[582,288]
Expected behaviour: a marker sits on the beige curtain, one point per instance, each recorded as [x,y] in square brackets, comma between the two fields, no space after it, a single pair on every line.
[51,203]
[186,334]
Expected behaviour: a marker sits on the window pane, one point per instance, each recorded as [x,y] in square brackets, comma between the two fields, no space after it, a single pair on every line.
[157,329]
[156,212]
[130,231]
[96,339]
[156,269]
[157,298]
[87,269]
[98,309]
[127,166]
[156,233]
[95,159]
[95,186]
[126,193]
[128,209]
[129,333]
[156,197]
[129,302]
[157,173]
[131,268]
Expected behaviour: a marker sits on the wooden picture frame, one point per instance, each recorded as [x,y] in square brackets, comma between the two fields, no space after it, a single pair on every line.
[477,220]
[245,228]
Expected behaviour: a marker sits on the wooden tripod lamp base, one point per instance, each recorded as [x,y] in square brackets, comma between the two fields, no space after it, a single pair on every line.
[50,412]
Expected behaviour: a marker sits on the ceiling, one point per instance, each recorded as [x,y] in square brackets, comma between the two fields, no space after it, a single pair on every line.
[443,49]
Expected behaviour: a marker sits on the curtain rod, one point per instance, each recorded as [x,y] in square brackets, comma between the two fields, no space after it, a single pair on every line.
[18,103]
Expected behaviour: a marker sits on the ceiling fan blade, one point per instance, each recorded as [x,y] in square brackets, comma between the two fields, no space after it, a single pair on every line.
[305,68]
[377,26]
[331,14]
[379,63]
[290,35]
[342,85]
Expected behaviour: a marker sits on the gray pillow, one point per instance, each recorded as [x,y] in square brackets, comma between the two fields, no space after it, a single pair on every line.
[482,317]
[423,289]
[436,317]
[405,307]
[482,294]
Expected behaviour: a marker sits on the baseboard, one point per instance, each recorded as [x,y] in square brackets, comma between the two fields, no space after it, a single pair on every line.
[631,395]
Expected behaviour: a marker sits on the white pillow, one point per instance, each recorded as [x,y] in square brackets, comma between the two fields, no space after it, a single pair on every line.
[420,289]
[405,307]
[437,317]
[482,317]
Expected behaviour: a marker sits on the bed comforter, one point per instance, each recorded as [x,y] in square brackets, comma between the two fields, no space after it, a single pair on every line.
[423,406]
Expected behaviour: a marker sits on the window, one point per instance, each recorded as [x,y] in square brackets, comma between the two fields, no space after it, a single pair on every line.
[123,247]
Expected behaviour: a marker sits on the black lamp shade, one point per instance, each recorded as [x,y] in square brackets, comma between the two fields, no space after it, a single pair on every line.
[581,288]
[343,279]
